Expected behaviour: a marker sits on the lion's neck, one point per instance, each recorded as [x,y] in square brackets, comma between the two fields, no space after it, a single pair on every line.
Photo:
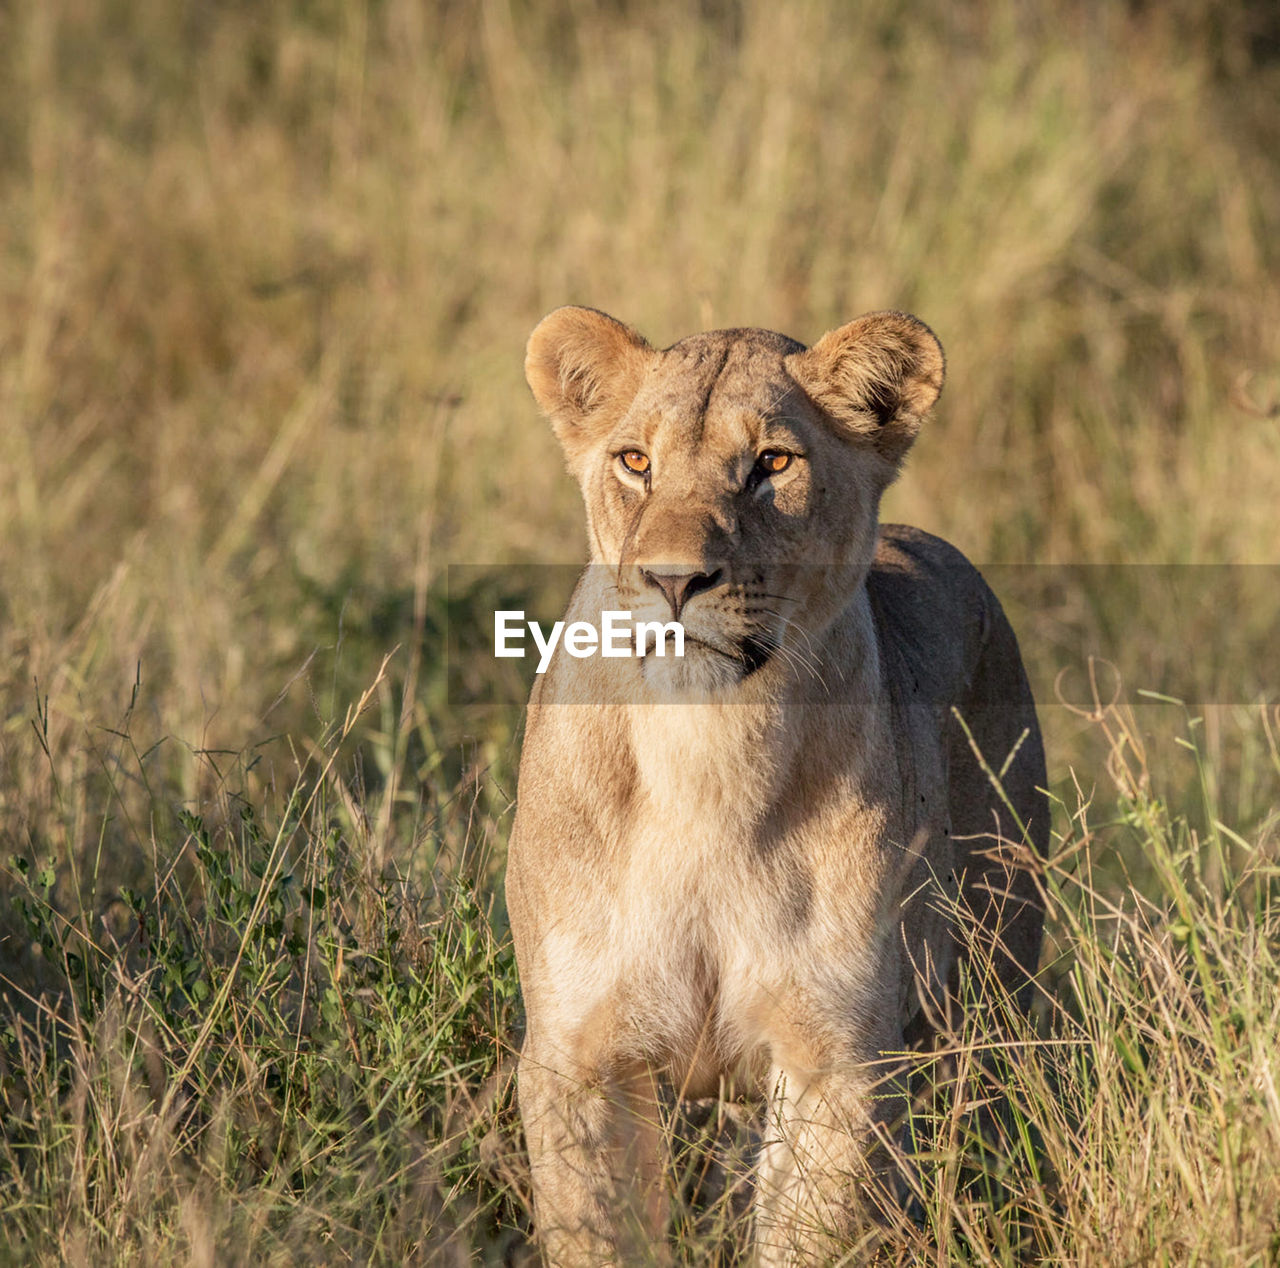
[731,760]
[696,759]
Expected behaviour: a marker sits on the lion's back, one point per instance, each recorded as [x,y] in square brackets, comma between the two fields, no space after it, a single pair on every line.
[933,610]
[947,641]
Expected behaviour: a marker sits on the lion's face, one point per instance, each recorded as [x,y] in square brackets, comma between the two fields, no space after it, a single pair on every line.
[732,481]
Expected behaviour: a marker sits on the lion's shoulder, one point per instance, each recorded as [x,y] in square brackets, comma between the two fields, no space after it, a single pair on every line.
[933,610]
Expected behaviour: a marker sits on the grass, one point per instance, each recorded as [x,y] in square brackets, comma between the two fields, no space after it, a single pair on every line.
[279,1045]
[285,1048]
[265,277]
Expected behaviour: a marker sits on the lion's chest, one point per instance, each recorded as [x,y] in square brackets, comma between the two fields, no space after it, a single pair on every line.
[722,912]
[693,941]
[725,915]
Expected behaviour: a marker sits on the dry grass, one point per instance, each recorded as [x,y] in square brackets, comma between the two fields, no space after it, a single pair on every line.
[265,276]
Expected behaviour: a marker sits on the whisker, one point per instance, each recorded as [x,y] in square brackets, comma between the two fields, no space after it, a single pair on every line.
[804,658]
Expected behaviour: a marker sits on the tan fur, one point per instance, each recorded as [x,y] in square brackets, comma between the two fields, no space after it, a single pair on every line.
[742,867]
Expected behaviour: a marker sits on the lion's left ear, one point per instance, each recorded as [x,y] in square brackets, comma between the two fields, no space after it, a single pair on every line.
[876,378]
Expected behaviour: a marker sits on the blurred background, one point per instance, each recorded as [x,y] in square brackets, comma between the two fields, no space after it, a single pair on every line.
[266,274]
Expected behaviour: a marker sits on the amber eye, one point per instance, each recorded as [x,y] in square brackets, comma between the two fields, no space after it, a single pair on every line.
[771,461]
[634,461]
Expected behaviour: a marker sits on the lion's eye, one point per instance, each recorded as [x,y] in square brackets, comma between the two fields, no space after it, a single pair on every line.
[634,461]
[772,461]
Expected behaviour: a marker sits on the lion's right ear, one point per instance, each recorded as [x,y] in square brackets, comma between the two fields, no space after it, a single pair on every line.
[584,369]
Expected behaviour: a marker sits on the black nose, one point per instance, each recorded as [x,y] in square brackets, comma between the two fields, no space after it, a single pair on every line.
[680,587]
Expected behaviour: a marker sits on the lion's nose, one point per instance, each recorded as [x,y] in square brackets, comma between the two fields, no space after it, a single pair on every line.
[680,587]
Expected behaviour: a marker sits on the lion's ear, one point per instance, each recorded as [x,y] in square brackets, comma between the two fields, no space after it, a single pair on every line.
[584,369]
[876,378]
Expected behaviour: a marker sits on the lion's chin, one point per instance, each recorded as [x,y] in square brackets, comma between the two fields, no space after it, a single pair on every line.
[702,673]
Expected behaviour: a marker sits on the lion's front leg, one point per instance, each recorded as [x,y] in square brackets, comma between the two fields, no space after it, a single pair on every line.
[595,1152]
[826,1164]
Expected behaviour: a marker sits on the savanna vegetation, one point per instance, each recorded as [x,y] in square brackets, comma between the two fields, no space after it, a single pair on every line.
[266,271]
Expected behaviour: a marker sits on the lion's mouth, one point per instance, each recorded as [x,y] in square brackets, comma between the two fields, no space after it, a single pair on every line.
[750,655]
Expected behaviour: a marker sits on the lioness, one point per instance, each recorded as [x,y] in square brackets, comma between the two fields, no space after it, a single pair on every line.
[745,863]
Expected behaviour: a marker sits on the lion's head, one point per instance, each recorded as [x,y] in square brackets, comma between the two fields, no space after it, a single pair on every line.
[732,482]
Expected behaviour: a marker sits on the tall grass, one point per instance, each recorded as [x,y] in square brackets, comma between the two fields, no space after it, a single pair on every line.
[279,1050]
[265,276]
